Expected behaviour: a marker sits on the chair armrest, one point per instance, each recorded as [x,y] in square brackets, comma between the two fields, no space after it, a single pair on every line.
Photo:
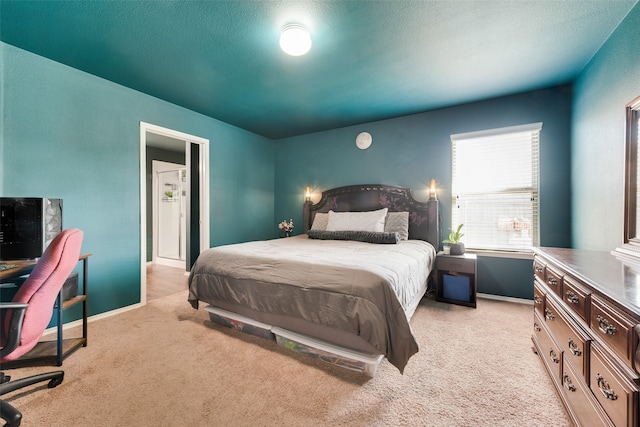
[15,325]
[8,305]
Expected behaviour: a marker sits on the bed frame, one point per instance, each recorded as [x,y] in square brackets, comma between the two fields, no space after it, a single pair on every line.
[424,217]
[424,224]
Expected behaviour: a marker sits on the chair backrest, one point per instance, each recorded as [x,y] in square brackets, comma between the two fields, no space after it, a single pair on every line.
[42,287]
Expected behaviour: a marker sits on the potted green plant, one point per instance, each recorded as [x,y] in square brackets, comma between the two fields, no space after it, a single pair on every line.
[456,247]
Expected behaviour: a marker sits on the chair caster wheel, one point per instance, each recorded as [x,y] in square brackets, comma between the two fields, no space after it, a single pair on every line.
[54,382]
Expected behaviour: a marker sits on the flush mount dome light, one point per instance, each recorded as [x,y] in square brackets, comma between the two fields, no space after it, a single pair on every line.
[295,40]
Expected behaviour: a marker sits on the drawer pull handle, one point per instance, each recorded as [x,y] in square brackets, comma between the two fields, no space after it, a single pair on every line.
[554,356]
[536,327]
[552,281]
[549,314]
[539,269]
[573,347]
[537,299]
[604,387]
[572,298]
[605,326]
[567,383]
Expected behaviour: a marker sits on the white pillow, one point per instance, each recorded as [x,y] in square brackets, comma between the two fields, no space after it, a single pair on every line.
[357,221]
[397,222]
[320,221]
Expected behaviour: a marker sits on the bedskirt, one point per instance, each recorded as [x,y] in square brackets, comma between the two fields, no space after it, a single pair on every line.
[356,295]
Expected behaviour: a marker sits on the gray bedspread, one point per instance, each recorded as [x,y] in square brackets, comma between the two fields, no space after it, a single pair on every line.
[362,288]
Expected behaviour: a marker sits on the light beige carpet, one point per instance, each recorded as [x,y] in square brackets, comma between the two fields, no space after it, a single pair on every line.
[167,365]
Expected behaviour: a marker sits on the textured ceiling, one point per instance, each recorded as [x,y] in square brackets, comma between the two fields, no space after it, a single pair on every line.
[370,60]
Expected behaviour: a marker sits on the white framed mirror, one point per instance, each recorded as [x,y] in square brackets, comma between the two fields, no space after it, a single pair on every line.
[631,238]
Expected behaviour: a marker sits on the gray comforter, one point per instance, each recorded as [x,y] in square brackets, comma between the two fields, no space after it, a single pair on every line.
[361,288]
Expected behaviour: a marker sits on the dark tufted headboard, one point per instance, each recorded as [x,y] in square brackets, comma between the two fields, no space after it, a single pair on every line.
[424,217]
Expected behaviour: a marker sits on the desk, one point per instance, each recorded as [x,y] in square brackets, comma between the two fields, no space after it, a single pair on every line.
[47,352]
[21,268]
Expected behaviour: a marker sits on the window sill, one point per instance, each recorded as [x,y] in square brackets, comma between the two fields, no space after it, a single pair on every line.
[501,254]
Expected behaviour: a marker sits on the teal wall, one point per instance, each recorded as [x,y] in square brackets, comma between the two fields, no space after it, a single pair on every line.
[410,150]
[68,134]
[609,82]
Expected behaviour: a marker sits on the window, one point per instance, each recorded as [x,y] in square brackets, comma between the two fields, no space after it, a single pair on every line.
[495,187]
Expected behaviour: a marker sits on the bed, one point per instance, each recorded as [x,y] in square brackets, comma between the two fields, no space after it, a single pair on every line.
[331,292]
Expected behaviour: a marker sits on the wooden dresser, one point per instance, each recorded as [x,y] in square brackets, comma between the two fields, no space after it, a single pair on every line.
[587,332]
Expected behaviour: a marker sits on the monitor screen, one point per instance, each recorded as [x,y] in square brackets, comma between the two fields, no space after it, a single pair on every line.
[27,225]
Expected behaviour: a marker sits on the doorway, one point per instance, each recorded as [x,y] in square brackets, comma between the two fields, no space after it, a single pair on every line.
[169,216]
[190,178]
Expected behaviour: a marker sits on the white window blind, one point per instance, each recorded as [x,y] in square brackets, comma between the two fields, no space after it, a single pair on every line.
[495,187]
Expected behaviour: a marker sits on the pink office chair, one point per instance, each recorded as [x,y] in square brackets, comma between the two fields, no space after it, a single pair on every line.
[27,316]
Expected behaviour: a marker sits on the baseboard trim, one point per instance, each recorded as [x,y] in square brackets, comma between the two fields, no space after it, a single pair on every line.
[505,299]
[171,262]
[93,318]
[111,313]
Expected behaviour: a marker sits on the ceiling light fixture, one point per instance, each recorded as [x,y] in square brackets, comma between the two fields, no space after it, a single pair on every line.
[295,40]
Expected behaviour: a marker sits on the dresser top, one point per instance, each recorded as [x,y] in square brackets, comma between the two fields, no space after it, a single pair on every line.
[617,279]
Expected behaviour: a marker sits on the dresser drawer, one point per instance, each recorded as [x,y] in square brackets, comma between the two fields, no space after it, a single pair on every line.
[554,281]
[571,339]
[538,298]
[583,406]
[585,307]
[550,352]
[539,268]
[617,395]
[614,329]
[576,297]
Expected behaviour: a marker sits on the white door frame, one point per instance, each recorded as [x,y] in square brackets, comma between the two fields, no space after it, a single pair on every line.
[203,196]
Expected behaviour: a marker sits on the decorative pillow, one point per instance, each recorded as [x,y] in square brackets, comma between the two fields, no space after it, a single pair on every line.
[360,236]
[397,222]
[357,221]
[320,221]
